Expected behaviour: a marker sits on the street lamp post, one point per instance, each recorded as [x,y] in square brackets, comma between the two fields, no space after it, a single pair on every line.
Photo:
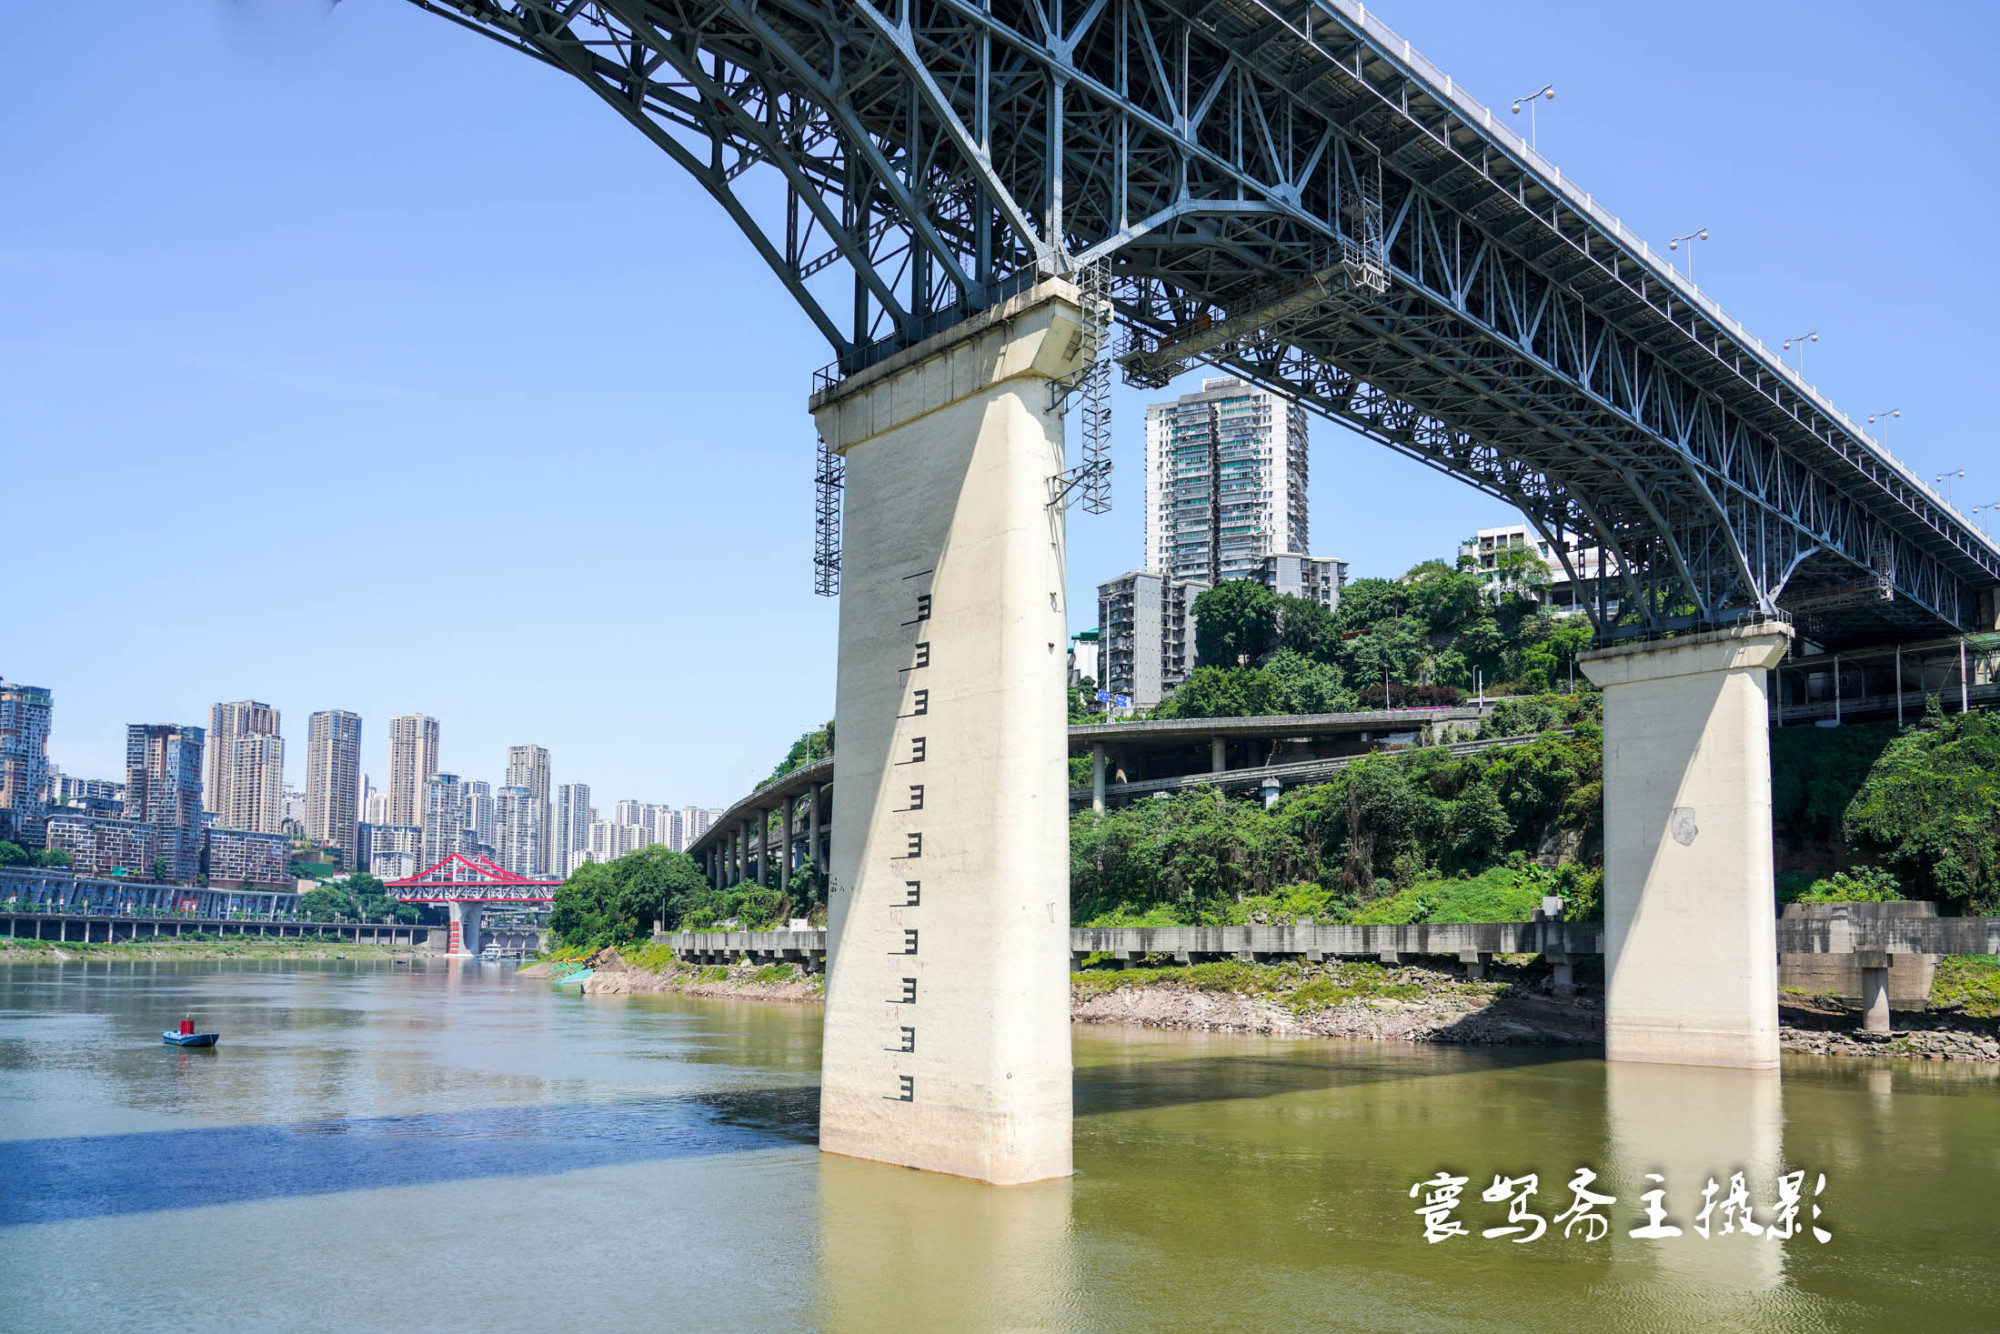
[1945,479]
[1988,507]
[1801,341]
[1699,234]
[1545,91]
[1885,416]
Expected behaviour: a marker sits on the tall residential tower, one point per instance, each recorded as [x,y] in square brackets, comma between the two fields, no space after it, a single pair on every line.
[1225,481]
[528,767]
[226,723]
[413,758]
[333,782]
[163,789]
[24,761]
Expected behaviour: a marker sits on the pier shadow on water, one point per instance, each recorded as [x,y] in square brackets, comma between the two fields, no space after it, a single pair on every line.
[56,1180]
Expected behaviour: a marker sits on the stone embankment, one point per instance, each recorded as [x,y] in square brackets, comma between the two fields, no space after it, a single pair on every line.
[1516,1005]
[234,947]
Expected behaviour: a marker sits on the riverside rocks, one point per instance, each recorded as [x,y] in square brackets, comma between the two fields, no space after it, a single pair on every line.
[1516,1007]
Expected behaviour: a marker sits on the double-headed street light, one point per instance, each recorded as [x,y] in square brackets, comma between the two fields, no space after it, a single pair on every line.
[1801,341]
[1885,416]
[1690,238]
[1945,479]
[1546,90]
[1989,507]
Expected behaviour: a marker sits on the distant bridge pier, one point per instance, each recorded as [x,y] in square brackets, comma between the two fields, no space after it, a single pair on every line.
[1689,910]
[465,919]
[947,1042]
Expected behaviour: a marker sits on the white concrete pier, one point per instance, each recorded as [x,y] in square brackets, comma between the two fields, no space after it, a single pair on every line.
[465,921]
[1689,914]
[947,1019]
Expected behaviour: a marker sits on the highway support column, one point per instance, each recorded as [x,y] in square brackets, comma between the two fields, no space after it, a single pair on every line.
[947,1042]
[1690,955]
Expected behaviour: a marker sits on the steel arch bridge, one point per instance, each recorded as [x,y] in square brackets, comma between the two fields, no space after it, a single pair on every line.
[1285,189]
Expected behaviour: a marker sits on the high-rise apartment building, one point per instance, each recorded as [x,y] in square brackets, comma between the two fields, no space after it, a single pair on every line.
[382,843]
[413,758]
[376,809]
[1225,481]
[571,825]
[227,722]
[333,781]
[255,774]
[517,816]
[667,827]
[1145,635]
[528,767]
[444,818]
[479,811]
[696,821]
[163,767]
[610,840]
[25,713]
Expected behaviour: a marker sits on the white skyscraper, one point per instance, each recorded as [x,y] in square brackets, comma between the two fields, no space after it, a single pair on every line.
[480,811]
[571,825]
[413,758]
[517,836]
[1225,481]
[444,817]
[528,767]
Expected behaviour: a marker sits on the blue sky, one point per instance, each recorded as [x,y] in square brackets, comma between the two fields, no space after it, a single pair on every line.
[351,361]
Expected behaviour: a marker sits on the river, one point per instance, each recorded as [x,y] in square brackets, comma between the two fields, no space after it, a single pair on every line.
[445,1146]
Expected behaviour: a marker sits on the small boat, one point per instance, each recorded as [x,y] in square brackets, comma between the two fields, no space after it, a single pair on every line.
[187,1037]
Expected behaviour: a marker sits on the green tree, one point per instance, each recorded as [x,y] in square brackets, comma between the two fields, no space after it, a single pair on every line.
[1235,622]
[1306,685]
[810,748]
[55,859]
[1307,628]
[1215,692]
[1929,810]
[327,903]
[13,854]
[657,883]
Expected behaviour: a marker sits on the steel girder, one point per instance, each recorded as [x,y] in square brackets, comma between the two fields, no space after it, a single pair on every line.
[901,164]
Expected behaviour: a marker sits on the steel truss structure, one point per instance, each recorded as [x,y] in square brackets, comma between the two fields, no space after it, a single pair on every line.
[462,879]
[1285,189]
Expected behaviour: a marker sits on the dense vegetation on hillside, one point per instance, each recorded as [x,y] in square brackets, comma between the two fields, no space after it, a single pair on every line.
[1381,827]
[1439,628]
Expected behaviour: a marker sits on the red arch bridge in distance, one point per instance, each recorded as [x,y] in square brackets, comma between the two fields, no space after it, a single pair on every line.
[467,885]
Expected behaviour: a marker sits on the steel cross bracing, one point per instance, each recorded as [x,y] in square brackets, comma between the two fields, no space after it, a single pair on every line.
[1361,233]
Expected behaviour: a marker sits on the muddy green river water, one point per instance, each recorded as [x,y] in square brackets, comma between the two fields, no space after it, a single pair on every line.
[379,1146]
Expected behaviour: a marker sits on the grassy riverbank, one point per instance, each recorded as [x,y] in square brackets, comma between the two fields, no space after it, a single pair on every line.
[13,950]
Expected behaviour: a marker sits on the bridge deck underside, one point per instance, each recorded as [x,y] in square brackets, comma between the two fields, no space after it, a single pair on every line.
[1285,189]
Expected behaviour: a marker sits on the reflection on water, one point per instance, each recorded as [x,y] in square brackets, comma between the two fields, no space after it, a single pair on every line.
[1688,1125]
[903,1250]
[504,1156]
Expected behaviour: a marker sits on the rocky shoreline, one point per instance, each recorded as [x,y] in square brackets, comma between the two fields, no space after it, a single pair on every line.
[1516,1006]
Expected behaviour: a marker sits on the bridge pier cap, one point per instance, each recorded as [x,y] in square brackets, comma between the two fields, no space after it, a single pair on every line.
[1690,949]
[947,1043]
